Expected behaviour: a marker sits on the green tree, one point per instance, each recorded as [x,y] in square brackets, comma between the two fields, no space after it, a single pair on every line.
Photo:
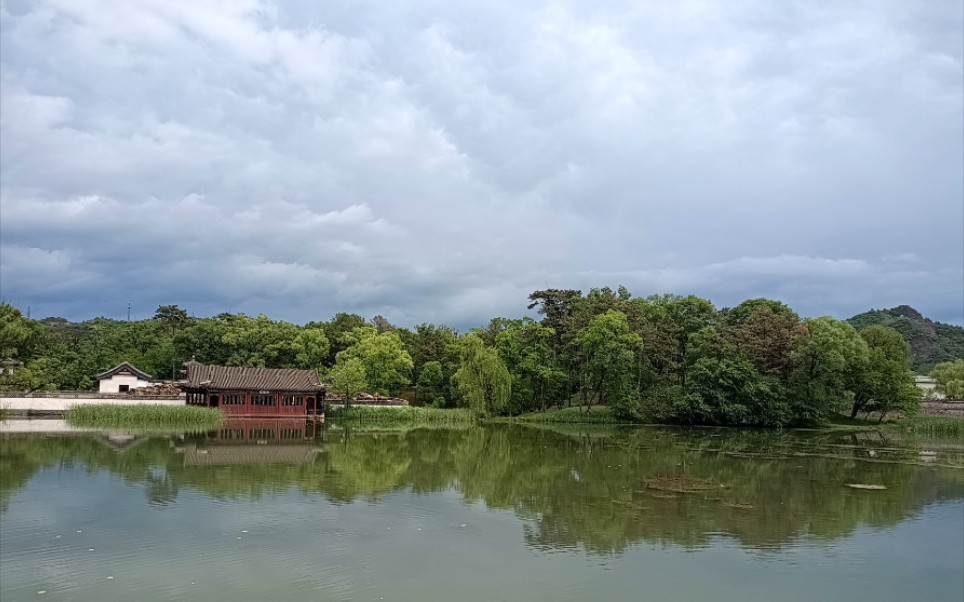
[669,324]
[260,342]
[203,340]
[822,361]
[883,383]
[39,373]
[482,378]
[431,381]
[764,332]
[433,343]
[311,348]
[558,308]
[347,377]
[337,328]
[17,333]
[606,352]
[173,318]
[382,324]
[525,347]
[387,365]
[729,391]
[950,378]
[690,314]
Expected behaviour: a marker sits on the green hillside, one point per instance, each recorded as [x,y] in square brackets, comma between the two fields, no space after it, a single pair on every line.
[931,342]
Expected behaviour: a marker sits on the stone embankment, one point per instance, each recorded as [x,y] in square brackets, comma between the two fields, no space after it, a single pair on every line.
[366,399]
[952,409]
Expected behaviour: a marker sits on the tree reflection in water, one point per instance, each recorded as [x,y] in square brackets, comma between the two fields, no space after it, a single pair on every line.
[597,490]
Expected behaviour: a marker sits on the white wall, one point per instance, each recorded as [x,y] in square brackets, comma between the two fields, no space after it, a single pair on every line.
[112,384]
[41,425]
[59,404]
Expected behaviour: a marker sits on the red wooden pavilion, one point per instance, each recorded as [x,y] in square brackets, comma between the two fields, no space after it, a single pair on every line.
[243,391]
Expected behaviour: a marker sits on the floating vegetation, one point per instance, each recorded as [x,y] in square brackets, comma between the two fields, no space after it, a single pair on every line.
[682,484]
[151,417]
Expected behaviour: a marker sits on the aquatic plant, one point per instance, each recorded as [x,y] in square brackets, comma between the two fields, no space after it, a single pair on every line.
[572,416]
[400,415]
[933,425]
[148,416]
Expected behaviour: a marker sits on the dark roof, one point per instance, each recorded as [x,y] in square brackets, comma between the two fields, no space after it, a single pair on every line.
[201,376]
[122,367]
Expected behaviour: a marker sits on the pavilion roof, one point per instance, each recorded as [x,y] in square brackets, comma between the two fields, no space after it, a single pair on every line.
[202,376]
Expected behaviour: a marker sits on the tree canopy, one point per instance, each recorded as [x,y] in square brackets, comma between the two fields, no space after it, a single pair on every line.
[669,358]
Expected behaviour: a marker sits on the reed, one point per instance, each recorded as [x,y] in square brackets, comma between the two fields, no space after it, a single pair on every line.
[571,416]
[942,426]
[146,417]
[400,415]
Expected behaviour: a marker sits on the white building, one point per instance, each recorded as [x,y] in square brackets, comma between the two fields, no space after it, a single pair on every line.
[122,378]
[929,387]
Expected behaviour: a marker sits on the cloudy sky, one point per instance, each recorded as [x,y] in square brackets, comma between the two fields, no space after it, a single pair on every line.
[438,161]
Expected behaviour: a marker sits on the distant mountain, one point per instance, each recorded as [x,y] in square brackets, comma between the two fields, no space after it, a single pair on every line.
[930,342]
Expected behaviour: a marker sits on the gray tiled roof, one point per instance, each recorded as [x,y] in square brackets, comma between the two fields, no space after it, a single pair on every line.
[201,376]
[124,366]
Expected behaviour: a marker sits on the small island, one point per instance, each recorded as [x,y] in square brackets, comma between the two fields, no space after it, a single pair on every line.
[605,356]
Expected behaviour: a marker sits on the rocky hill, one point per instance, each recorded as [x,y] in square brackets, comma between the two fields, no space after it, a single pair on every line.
[931,342]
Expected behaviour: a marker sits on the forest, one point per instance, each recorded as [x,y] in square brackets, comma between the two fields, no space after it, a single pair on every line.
[662,358]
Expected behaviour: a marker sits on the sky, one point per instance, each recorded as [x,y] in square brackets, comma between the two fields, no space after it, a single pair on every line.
[437,161]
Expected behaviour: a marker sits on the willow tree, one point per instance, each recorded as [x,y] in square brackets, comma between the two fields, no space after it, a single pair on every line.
[482,378]
[883,383]
[823,361]
[950,378]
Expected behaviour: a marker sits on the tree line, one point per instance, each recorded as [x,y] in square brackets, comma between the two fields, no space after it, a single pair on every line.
[663,358]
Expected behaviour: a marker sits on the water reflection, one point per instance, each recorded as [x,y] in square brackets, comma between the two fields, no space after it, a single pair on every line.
[601,491]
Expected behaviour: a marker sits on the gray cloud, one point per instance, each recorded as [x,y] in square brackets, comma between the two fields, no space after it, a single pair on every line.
[442,161]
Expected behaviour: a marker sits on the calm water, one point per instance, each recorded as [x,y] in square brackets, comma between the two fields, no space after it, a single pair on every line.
[261,512]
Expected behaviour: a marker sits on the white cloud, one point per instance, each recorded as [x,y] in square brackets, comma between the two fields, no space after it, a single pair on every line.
[440,162]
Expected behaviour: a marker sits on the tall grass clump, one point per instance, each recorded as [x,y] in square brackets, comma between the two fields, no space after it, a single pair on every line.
[942,426]
[400,415]
[146,417]
[572,416]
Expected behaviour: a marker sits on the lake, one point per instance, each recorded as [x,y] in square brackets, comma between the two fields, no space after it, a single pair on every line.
[284,511]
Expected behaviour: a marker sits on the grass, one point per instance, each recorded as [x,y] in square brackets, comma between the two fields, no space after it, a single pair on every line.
[599,415]
[145,417]
[4,414]
[941,426]
[400,415]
